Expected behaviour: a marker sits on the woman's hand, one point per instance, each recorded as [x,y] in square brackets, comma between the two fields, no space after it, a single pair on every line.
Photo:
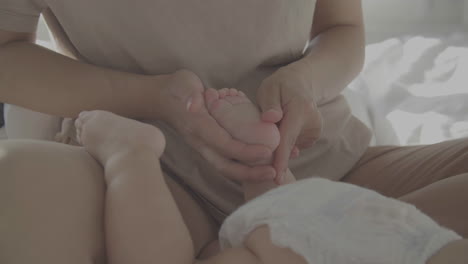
[184,110]
[285,98]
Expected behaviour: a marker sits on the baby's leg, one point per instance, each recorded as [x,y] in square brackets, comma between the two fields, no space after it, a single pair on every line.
[237,114]
[257,249]
[143,224]
[241,118]
[142,221]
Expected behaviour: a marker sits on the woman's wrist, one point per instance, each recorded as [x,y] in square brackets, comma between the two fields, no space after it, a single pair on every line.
[300,75]
[332,62]
[148,101]
[170,97]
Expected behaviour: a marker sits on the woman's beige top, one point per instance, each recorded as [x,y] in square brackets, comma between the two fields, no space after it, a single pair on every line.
[226,43]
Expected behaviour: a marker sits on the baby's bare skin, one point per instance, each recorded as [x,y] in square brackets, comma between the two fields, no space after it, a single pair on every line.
[143,223]
[107,136]
[130,151]
[234,111]
[241,118]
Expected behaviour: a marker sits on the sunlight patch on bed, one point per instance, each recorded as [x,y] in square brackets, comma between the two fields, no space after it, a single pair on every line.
[411,128]
[447,77]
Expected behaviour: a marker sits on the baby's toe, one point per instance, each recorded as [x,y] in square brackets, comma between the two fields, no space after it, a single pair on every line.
[237,99]
[223,93]
[233,92]
[211,95]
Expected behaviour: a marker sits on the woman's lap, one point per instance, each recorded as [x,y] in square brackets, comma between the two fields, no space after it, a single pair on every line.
[49,207]
[433,177]
[52,201]
[396,171]
[444,201]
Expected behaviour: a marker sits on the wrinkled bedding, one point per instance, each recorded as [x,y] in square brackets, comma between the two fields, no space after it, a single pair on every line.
[414,90]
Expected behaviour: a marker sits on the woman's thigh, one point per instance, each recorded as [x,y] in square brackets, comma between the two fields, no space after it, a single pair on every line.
[444,201]
[434,178]
[396,171]
[51,205]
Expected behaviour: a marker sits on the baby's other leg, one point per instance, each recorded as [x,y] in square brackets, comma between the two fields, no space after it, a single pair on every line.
[241,118]
[233,110]
[259,241]
[142,221]
[257,249]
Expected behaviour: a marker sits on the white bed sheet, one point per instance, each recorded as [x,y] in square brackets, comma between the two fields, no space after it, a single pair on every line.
[414,90]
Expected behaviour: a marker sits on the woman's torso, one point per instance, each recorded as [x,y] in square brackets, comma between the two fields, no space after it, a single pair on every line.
[220,40]
[227,44]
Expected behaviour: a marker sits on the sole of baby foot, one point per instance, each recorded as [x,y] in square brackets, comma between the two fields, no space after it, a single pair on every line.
[234,111]
[187,87]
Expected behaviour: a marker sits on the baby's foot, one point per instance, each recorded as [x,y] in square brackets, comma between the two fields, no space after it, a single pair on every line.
[241,118]
[106,135]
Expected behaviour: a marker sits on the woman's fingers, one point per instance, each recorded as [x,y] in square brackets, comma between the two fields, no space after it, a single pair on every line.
[294,152]
[225,153]
[269,100]
[219,140]
[235,170]
[290,128]
[312,129]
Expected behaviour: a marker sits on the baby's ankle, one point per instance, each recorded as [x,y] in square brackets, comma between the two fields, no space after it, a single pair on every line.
[125,160]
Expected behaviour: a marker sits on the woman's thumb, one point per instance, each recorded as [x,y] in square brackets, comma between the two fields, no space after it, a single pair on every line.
[269,101]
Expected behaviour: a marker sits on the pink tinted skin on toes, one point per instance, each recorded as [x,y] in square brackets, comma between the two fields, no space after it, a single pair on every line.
[218,147]
[241,118]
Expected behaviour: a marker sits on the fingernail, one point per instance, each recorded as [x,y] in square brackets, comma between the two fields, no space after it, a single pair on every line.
[269,176]
[266,153]
[273,110]
[189,103]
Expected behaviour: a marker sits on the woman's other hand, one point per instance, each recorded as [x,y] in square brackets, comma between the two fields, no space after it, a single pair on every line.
[184,108]
[285,98]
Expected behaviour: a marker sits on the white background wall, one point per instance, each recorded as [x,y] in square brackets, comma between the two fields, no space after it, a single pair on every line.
[465,19]
[402,11]
[394,17]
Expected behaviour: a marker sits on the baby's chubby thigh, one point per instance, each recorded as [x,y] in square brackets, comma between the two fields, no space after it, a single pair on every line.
[260,244]
[51,204]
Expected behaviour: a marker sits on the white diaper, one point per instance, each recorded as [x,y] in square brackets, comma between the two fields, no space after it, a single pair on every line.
[330,222]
